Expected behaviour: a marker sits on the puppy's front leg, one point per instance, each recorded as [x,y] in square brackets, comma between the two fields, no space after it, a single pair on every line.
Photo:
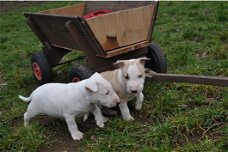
[139,101]
[125,111]
[73,128]
[100,119]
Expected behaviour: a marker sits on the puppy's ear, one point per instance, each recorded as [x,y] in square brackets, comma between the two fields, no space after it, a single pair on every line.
[143,60]
[91,86]
[118,64]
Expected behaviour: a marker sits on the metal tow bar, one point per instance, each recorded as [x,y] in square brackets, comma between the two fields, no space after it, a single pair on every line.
[195,79]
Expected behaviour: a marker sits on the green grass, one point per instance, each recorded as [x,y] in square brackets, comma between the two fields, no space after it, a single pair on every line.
[175,116]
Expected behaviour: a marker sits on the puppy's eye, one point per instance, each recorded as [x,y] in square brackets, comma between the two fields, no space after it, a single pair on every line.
[126,76]
[139,76]
[107,92]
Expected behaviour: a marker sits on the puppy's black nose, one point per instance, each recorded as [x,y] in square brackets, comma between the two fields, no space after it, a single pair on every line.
[133,91]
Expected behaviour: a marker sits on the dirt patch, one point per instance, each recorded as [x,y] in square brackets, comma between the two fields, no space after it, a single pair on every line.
[58,133]
[64,143]
[200,134]
[197,136]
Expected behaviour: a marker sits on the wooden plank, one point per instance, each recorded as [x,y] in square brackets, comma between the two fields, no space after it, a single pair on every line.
[154,16]
[91,39]
[74,33]
[91,6]
[137,24]
[51,23]
[126,49]
[63,39]
[130,26]
[73,10]
[40,35]
[101,27]
[79,35]
[195,79]
[100,64]
[54,28]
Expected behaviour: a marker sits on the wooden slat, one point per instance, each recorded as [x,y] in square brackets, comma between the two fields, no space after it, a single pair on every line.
[195,79]
[126,49]
[63,39]
[91,6]
[43,39]
[74,10]
[90,38]
[154,16]
[83,39]
[55,29]
[50,22]
[99,64]
[130,26]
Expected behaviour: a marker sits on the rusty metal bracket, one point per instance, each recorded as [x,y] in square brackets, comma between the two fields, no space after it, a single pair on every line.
[195,79]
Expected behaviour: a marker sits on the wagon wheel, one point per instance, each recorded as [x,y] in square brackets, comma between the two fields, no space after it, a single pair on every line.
[41,68]
[78,73]
[158,61]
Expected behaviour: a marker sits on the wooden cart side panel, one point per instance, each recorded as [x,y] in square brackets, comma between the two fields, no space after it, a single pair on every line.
[53,27]
[61,39]
[78,31]
[122,28]
[43,39]
[154,16]
[91,6]
[50,22]
[65,32]
[92,40]
[73,10]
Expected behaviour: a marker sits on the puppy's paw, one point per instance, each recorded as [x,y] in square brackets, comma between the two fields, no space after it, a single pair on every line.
[128,118]
[100,124]
[77,135]
[105,119]
[138,106]
[26,124]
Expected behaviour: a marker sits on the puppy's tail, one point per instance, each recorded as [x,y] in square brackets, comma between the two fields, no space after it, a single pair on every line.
[25,99]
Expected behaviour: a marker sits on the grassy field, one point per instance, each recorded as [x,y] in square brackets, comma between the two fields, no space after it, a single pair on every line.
[175,116]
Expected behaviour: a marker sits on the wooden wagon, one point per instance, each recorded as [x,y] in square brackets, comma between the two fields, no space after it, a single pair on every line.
[104,32]
[123,33]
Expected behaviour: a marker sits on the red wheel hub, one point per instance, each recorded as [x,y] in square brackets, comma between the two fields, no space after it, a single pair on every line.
[36,70]
[76,79]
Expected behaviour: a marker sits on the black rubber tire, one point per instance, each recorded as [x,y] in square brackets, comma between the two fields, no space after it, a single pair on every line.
[158,61]
[45,67]
[79,72]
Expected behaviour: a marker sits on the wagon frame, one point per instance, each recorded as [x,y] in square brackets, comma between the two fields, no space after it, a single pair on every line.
[79,36]
[123,34]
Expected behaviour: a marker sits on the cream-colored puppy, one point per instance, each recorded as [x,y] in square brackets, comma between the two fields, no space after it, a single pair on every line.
[128,83]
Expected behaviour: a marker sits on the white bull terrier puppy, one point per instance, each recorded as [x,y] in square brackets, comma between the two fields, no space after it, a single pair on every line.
[72,100]
[128,83]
